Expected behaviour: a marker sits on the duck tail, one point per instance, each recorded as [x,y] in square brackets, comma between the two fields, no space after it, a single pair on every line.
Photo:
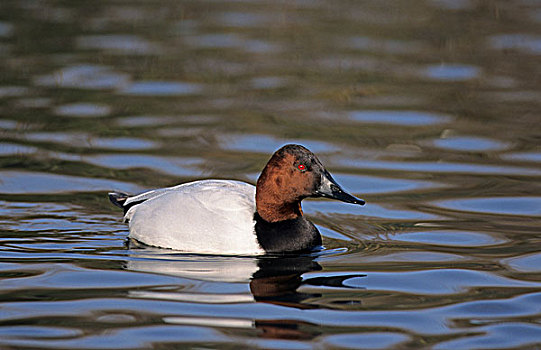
[118,198]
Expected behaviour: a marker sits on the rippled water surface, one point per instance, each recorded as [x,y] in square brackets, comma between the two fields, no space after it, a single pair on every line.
[429,110]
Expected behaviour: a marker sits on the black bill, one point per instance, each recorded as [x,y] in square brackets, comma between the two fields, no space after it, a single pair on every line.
[329,188]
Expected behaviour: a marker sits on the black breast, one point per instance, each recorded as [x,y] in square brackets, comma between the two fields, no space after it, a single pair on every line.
[286,236]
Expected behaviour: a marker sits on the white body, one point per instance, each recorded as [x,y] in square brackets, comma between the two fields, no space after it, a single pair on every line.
[206,217]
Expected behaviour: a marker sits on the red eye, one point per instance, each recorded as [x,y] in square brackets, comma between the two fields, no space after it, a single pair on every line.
[301,167]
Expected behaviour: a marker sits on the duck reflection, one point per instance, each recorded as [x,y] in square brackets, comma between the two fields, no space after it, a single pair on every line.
[277,281]
[232,279]
[272,279]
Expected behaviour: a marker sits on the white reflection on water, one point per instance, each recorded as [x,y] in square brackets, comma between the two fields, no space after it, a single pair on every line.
[211,321]
[200,268]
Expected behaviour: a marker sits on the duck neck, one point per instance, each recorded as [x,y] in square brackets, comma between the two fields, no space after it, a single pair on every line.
[277,211]
[284,236]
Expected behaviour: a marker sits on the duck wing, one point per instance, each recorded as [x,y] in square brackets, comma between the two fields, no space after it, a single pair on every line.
[208,216]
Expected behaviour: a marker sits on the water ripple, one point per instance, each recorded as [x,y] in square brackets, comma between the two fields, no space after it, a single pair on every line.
[452,72]
[450,238]
[471,144]
[403,118]
[268,144]
[80,139]
[6,29]
[449,281]
[7,149]
[530,206]
[525,263]
[83,110]
[524,156]
[23,182]
[13,91]
[436,125]
[318,207]
[498,336]
[85,76]
[169,165]
[372,184]
[435,167]
[119,44]
[161,88]
[526,43]
[369,340]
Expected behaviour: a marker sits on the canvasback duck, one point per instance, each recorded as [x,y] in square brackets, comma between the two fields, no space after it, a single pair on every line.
[230,217]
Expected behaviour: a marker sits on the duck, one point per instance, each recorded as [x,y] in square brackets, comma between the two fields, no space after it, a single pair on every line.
[230,217]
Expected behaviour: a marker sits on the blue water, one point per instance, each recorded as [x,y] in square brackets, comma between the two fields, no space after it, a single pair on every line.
[428,110]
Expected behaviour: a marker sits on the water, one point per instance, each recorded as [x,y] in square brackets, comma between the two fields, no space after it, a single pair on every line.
[429,110]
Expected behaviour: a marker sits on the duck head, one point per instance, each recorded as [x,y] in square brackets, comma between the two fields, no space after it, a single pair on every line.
[292,174]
